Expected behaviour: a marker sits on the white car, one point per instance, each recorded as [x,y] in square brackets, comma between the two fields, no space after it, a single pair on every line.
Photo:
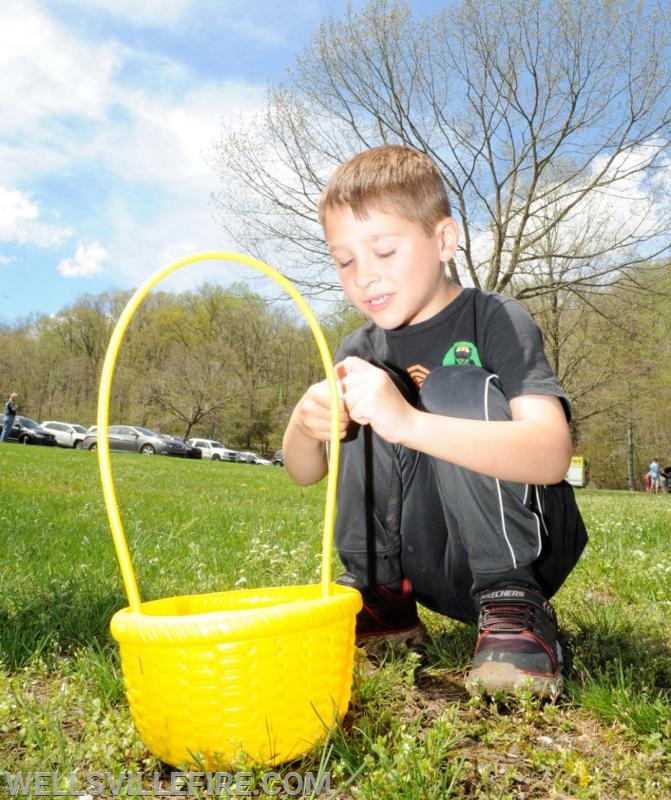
[213,449]
[247,457]
[68,434]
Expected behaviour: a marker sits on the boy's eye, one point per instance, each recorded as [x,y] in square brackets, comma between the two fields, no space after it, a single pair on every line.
[342,264]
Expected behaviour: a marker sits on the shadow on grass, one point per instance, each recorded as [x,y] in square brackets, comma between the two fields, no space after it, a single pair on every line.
[609,650]
[56,624]
[452,645]
[622,674]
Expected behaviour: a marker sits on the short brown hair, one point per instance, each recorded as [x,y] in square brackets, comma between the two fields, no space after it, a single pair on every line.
[389,176]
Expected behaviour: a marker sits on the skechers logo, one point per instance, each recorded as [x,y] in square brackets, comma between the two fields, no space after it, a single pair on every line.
[497,593]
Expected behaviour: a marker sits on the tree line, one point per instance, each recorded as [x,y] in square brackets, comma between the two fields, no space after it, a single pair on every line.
[218,363]
[229,364]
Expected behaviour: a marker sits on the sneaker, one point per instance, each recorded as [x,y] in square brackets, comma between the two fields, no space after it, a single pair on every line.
[388,617]
[517,647]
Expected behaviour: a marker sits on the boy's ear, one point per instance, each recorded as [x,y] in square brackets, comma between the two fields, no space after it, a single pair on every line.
[447,231]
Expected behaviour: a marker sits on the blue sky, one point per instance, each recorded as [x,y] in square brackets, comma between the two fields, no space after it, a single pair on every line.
[107,111]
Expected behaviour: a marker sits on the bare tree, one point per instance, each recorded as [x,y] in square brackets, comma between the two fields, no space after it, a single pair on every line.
[549,121]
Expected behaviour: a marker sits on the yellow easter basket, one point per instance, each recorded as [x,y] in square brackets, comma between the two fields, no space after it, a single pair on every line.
[253,674]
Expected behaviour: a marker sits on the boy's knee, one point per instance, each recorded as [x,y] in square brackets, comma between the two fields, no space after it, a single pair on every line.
[464,391]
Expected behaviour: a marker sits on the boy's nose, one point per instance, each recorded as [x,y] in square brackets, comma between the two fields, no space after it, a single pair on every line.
[365,276]
[365,283]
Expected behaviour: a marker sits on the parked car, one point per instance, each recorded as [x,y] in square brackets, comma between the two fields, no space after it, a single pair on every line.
[278,458]
[247,457]
[213,449]
[136,439]
[68,434]
[191,450]
[27,431]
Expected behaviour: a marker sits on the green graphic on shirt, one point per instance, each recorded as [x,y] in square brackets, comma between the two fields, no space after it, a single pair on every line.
[462,353]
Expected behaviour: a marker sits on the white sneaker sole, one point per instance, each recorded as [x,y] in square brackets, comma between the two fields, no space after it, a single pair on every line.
[494,677]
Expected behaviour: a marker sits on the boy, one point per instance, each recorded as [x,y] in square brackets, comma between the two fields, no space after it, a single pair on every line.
[450,416]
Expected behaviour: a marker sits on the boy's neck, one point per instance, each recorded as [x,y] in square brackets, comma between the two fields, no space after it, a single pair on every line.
[449,294]
[454,290]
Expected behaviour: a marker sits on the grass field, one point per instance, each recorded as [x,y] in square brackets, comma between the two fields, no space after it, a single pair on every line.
[412,731]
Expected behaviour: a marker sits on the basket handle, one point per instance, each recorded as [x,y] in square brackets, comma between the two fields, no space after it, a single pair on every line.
[109,494]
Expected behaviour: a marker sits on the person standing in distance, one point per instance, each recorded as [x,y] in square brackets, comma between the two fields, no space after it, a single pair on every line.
[654,471]
[9,416]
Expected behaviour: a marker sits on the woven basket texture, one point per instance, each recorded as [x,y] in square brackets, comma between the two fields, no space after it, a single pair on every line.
[240,676]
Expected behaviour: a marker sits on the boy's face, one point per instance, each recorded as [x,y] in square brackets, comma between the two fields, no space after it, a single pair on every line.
[389,267]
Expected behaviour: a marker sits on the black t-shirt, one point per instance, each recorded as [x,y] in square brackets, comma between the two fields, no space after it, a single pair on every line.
[485,329]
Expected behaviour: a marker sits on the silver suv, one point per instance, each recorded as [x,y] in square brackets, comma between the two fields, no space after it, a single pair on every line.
[138,440]
[67,434]
[213,449]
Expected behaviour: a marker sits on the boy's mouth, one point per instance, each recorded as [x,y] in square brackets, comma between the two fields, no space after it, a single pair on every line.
[379,301]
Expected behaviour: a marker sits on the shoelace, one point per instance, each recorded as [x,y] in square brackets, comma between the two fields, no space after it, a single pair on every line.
[513,618]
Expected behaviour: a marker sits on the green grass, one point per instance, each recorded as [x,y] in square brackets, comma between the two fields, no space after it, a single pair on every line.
[412,731]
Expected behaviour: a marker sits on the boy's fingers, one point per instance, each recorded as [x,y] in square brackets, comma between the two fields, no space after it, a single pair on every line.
[353,364]
[341,372]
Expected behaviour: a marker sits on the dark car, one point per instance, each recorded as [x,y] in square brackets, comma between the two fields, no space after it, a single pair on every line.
[27,431]
[191,451]
[278,458]
[135,439]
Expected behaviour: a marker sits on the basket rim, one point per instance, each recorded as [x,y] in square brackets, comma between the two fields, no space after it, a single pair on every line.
[247,614]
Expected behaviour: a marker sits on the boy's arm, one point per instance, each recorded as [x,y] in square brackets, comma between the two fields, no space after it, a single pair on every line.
[304,456]
[309,429]
[534,447]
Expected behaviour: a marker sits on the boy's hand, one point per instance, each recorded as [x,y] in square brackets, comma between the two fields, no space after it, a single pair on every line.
[313,413]
[371,398]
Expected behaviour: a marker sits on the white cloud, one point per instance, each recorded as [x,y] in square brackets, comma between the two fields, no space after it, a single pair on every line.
[163,139]
[71,104]
[20,221]
[69,100]
[158,13]
[15,207]
[47,73]
[87,261]
[177,229]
